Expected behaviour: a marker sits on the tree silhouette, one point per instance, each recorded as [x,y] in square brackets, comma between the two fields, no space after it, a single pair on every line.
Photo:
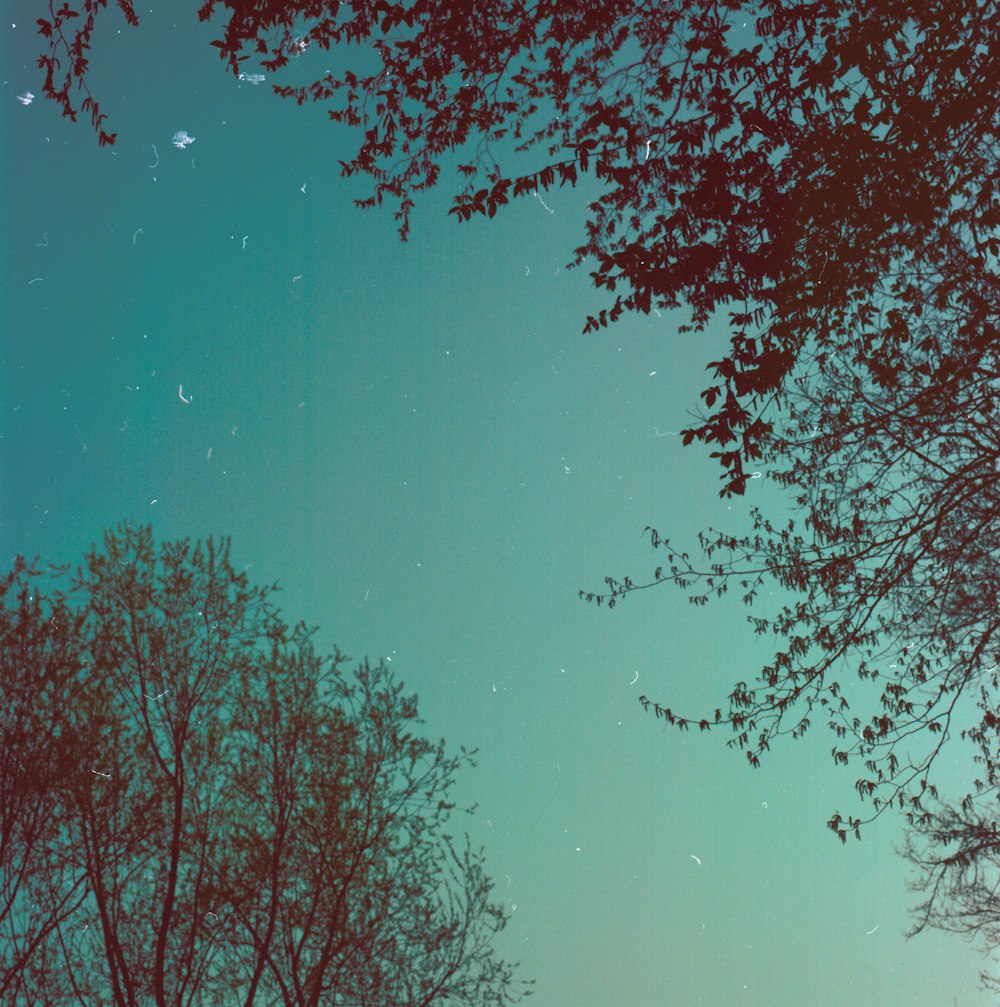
[957,854]
[892,556]
[774,161]
[199,809]
[36,752]
[822,177]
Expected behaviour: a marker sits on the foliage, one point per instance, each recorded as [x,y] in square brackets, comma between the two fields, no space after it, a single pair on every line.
[822,176]
[199,809]
[773,160]
[892,558]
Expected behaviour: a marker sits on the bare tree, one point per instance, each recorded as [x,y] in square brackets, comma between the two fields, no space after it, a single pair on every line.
[957,856]
[36,746]
[238,819]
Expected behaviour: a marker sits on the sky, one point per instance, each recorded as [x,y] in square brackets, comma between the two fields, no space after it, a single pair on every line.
[418,442]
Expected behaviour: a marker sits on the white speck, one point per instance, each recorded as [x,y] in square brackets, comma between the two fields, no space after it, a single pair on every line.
[763,804]
[695,859]
[37,279]
[303,187]
[245,236]
[180,392]
[208,457]
[542,201]
[26,99]
[636,679]
[295,279]
[873,929]
[652,374]
[106,776]
[367,593]
[182,139]
[138,231]
[527,271]
[153,501]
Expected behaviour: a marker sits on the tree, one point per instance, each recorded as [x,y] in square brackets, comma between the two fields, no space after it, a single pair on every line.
[892,557]
[820,174]
[893,551]
[774,160]
[36,752]
[957,856]
[229,817]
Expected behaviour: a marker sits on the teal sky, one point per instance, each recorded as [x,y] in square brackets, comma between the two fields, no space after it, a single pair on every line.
[419,444]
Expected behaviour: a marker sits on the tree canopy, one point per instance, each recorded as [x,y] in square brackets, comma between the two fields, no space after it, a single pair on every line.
[892,560]
[781,164]
[197,808]
[818,177]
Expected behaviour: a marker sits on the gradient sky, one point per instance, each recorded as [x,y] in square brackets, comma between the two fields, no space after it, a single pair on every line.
[419,444]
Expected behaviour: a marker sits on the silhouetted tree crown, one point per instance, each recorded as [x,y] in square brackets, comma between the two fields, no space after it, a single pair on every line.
[783,165]
[199,809]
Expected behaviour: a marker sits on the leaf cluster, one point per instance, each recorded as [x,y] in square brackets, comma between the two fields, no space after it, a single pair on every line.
[891,556]
[769,160]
